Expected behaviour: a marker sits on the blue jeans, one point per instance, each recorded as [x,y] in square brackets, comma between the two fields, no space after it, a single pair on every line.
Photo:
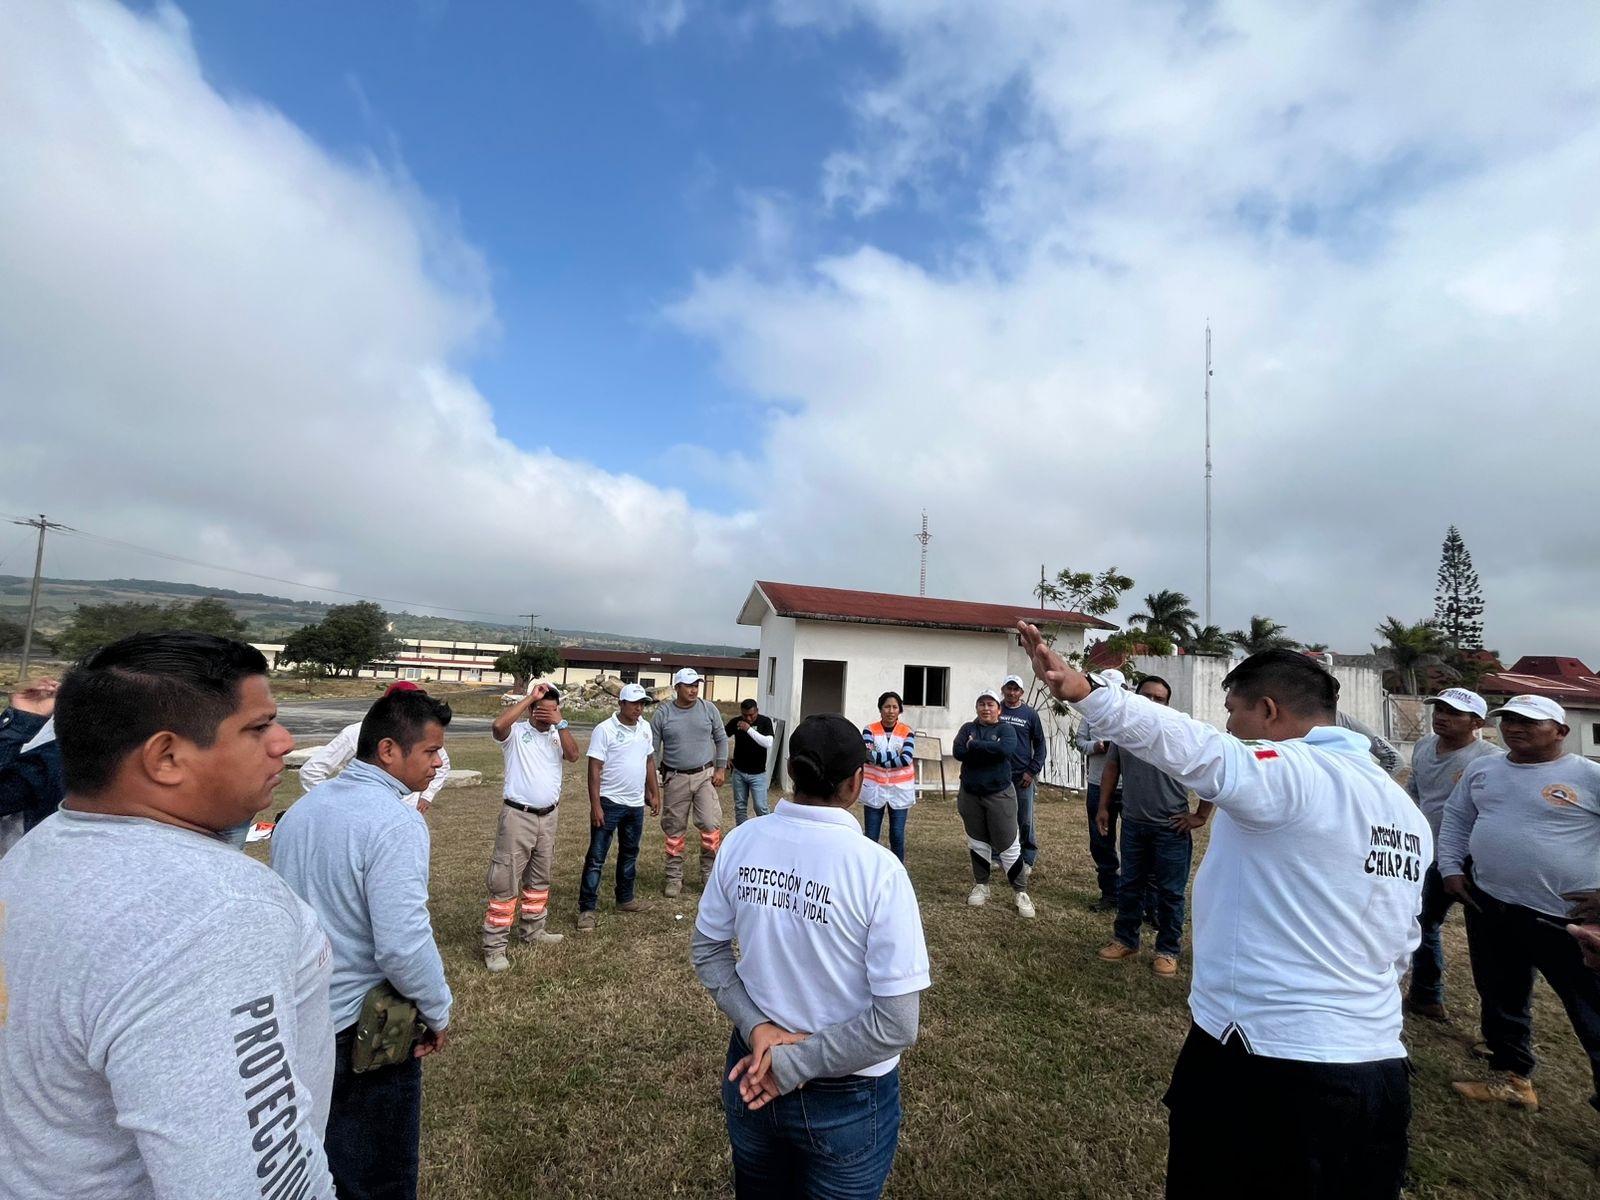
[833,1139]
[626,821]
[1153,856]
[751,787]
[872,826]
[1030,848]
[1103,849]
[374,1127]
[1427,964]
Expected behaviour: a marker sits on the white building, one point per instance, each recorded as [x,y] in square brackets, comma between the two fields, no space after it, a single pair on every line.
[831,650]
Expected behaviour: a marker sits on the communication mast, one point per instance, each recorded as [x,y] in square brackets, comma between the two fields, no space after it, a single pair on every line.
[924,537]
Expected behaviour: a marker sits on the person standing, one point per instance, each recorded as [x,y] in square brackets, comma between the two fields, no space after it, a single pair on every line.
[534,740]
[1437,763]
[1102,846]
[1529,821]
[622,782]
[1157,847]
[32,784]
[1028,762]
[355,852]
[1305,908]
[164,1024]
[694,753]
[825,990]
[327,761]
[890,782]
[987,802]
[751,736]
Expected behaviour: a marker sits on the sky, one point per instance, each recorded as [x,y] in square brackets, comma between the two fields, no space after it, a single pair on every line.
[603,310]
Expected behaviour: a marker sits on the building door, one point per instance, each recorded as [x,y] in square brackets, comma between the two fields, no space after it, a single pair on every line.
[821,686]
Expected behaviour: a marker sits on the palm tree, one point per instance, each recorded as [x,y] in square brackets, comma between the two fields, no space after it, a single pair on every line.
[1207,639]
[1264,634]
[1409,647]
[1166,612]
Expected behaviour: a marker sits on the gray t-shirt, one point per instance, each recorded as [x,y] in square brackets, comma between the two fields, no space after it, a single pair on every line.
[1533,829]
[168,1031]
[1147,793]
[1435,775]
[689,737]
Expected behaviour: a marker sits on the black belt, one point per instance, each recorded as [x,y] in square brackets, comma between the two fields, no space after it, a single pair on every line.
[687,770]
[528,808]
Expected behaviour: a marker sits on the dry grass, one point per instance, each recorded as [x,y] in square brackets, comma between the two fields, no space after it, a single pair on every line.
[590,1068]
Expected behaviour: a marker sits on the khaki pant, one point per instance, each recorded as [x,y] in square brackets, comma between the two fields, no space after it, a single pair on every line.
[524,848]
[682,796]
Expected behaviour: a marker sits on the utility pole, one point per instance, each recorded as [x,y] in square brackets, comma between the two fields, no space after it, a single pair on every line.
[41,525]
[533,632]
[924,537]
[1207,620]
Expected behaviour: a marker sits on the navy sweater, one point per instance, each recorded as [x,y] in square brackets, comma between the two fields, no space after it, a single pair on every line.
[985,753]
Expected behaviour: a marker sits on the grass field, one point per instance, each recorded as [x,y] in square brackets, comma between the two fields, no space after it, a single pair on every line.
[590,1069]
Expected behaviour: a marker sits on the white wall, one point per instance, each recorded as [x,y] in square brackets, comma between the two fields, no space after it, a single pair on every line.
[778,692]
[1196,681]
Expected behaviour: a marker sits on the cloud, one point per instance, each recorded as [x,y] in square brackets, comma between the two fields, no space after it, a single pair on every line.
[1383,210]
[223,342]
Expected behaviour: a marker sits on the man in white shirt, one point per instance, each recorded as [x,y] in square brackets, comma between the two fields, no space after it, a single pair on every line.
[533,736]
[1305,912]
[622,781]
[327,761]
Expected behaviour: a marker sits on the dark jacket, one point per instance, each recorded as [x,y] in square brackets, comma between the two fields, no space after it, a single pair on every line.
[985,753]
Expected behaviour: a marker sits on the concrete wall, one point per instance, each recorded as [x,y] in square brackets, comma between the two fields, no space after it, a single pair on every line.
[1197,687]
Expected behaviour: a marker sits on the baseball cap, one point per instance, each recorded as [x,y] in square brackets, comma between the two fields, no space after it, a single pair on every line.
[405,685]
[632,691]
[689,675]
[990,693]
[1016,679]
[1535,708]
[1112,677]
[827,749]
[1461,700]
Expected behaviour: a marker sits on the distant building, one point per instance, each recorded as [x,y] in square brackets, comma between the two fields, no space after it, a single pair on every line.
[1566,681]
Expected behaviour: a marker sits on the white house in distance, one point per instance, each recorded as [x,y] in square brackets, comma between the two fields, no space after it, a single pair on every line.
[833,650]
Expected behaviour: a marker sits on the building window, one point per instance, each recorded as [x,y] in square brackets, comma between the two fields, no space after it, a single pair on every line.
[772,675]
[926,687]
[647,684]
[630,674]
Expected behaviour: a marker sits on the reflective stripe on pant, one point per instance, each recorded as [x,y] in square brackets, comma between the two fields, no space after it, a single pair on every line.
[524,849]
[991,823]
[685,797]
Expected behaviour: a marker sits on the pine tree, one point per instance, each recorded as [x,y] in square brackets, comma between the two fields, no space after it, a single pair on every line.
[1458,604]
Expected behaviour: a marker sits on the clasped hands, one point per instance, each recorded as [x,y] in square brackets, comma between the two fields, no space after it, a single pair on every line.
[758,1086]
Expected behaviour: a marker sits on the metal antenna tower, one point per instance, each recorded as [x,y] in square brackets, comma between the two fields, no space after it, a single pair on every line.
[1208,473]
[924,537]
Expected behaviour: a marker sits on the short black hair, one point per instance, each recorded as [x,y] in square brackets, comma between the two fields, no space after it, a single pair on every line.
[1300,685]
[118,697]
[747,705]
[1156,679]
[824,751]
[403,717]
[888,696]
[550,693]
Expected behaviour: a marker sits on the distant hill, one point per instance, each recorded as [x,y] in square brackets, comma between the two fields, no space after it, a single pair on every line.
[272,618]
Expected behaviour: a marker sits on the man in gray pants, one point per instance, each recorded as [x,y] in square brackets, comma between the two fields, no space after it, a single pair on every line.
[694,755]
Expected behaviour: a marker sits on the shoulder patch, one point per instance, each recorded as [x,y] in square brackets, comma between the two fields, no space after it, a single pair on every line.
[1263,754]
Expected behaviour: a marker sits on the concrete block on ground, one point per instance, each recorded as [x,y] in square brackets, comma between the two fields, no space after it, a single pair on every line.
[459,779]
[297,757]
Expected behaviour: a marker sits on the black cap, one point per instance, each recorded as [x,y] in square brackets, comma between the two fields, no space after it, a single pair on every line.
[827,749]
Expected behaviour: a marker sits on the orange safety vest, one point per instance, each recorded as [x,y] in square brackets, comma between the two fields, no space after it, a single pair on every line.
[890,777]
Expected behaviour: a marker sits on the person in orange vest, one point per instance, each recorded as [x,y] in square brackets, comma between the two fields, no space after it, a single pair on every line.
[891,774]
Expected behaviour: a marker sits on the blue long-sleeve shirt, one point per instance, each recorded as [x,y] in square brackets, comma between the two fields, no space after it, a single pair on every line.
[31,785]
[353,851]
[985,753]
[1030,753]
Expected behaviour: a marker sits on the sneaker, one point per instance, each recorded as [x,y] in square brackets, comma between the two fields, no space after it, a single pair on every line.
[588,921]
[1103,905]
[1165,966]
[543,938]
[1116,952]
[979,895]
[674,888]
[1024,906]
[633,906]
[1432,1012]
[1506,1087]
[496,962]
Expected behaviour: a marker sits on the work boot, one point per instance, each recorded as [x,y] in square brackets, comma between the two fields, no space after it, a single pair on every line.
[543,938]
[633,906]
[1103,905]
[1506,1087]
[588,921]
[674,888]
[1025,906]
[1164,965]
[979,895]
[1116,952]
[1432,1012]
[496,962]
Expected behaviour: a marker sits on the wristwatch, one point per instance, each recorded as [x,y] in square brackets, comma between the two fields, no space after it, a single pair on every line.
[561,724]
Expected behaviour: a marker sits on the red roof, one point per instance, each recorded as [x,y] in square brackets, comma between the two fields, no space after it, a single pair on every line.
[1564,680]
[883,608]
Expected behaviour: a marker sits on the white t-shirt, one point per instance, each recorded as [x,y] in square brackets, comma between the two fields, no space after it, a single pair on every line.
[625,750]
[1305,906]
[825,919]
[533,765]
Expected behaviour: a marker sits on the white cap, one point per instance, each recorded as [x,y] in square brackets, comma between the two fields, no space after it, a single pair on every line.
[1112,677]
[989,694]
[1461,700]
[1016,679]
[1535,708]
[632,691]
[685,675]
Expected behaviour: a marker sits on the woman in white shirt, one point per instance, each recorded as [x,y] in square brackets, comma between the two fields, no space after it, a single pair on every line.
[825,992]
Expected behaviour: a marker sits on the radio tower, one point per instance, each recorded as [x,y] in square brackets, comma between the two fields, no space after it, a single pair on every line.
[1207,617]
[922,579]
